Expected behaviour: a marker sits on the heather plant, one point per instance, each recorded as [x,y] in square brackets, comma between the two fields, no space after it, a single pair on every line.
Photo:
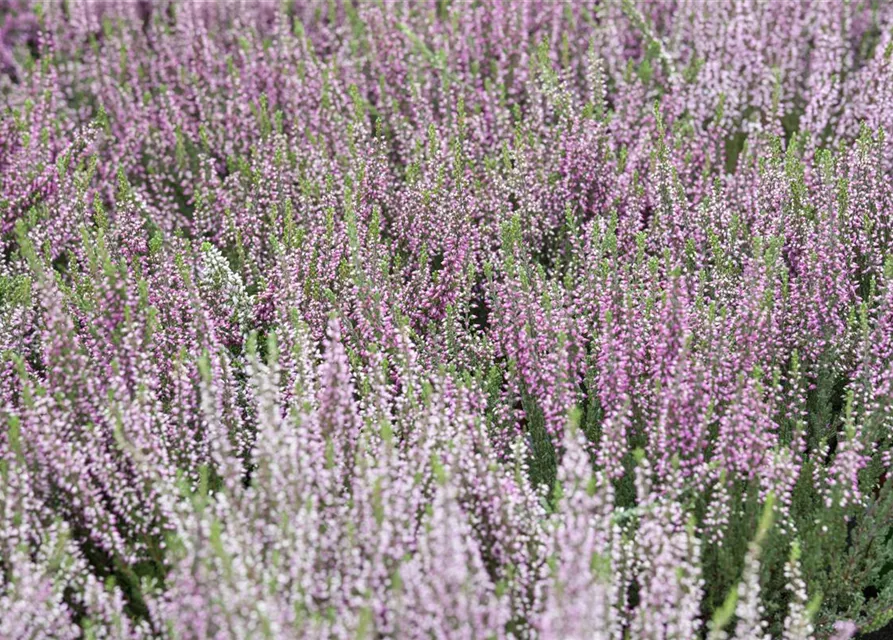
[498,319]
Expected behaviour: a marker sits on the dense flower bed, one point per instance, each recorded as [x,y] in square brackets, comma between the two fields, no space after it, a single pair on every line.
[446,319]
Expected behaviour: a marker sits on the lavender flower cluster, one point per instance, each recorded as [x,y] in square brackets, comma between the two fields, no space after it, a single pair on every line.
[459,319]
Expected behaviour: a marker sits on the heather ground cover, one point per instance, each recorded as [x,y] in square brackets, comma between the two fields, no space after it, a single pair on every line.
[446,319]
